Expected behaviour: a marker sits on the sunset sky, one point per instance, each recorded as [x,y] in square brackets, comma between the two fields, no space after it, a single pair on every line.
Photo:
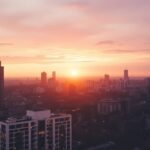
[93,36]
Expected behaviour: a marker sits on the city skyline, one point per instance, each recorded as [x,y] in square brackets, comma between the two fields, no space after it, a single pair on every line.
[74,73]
[94,37]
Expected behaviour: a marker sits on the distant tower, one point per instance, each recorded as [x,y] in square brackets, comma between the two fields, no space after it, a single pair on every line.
[126,79]
[106,80]
[54,75]
[126,76]
[148,87]
[107,77]
[1,81]
[43,78]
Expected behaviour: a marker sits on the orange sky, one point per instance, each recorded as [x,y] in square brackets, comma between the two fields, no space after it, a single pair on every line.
[94,36]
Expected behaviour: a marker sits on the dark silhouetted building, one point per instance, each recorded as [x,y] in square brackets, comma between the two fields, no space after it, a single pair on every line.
[126,79]
[108,106]
[1,82]
[43,78]
[54,75]
[148,87]
[107,79]
[52,82]
[126,75]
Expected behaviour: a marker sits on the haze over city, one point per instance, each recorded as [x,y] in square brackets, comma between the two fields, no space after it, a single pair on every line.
[74,75]
[92,37]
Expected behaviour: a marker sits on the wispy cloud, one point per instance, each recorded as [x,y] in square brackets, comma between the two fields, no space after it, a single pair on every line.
[6,44]
[106,42]
[127,51]
[46,59]
[76,5]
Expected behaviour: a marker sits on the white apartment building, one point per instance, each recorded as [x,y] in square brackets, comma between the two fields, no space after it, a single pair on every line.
[38,130]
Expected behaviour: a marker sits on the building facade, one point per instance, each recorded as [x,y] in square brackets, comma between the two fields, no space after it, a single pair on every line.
[38,130]
[108,106]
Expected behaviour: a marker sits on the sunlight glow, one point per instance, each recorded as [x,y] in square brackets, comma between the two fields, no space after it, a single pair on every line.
[74,72]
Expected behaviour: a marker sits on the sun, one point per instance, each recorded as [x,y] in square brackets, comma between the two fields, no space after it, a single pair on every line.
[74,72]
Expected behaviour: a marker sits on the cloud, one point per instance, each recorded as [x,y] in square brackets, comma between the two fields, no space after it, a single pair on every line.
[127,51]
[106,42]
[6,44]
[54,58]
[76,5]
[22,59]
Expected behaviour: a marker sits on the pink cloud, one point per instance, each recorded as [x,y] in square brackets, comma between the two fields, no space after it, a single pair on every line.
[78,5]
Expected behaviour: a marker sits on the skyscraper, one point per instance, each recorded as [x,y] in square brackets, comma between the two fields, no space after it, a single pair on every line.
[148,87]
[107,78]
[1,81]
[54,75]
[126,79]
[126,76]
[43,78]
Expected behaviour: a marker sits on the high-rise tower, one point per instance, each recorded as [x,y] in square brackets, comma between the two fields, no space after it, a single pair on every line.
[54,75]
[126,79]
[43,78]
[1,81]
[126,75]
[148,88]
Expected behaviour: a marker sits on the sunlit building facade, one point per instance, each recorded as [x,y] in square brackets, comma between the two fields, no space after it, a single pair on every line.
[38,130]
